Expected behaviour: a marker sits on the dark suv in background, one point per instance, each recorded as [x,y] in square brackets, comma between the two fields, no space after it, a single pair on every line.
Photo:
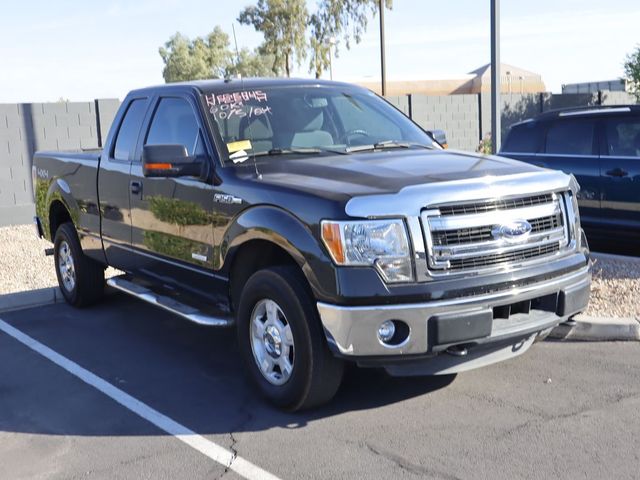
[601,147]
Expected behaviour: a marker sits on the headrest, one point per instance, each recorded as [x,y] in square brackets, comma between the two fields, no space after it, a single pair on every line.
[257,127]
[304,118]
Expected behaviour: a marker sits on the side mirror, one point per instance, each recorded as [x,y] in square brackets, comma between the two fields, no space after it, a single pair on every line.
[439,136]
[171,161]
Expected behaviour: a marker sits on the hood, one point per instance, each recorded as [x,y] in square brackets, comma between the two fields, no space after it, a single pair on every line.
[385,172]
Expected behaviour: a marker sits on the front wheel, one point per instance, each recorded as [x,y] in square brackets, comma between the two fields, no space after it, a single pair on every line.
[80,278]
[281,341]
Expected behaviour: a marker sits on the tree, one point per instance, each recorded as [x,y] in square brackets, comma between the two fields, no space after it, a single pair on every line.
[251,64]
[632,72]
[283,24]
[209,57]
[182,61]
[319,44]
[346,19]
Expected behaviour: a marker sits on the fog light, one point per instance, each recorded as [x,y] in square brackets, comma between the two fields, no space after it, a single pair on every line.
[386,331]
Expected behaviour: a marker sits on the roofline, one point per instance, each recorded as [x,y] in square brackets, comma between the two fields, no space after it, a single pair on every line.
[209,85]
[581,111]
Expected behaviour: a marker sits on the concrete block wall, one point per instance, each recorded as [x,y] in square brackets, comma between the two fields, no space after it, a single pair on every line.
[401,102]
[457,115]
[28,127]
[617,98]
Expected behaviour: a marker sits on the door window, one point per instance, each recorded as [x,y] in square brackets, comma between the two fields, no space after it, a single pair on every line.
[129,130]
[571,137]
[623,137]
[175,123]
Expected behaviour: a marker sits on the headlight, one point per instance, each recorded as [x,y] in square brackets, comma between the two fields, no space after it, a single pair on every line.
[382,244]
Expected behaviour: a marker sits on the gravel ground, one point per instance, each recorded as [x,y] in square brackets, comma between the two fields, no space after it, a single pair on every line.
[614,293]
[23,264]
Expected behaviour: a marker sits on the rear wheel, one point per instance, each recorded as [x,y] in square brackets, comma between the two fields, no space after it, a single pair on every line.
[282,343]
[80,278]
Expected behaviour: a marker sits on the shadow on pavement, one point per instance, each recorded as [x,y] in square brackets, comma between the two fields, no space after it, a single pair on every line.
[189,373]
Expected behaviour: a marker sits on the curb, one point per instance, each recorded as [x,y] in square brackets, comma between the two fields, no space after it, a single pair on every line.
[596,329]
[32,298]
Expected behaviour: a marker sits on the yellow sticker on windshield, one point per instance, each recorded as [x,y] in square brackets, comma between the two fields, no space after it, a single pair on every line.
[239,145]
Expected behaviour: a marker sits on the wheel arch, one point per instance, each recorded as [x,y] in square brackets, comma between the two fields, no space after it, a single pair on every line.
[269,236]
[62,207]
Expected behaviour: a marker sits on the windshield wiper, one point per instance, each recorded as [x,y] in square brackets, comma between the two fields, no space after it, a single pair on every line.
[386,144]
[293,151]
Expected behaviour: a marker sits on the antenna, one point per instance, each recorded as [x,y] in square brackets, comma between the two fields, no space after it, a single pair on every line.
[235,41]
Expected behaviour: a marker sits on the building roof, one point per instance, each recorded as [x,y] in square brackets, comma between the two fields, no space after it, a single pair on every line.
[485,71]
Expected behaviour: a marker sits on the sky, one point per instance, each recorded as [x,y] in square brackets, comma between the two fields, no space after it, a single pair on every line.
[82,50]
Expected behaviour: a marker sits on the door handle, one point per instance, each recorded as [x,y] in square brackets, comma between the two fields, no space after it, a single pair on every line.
[136,188]
[617,172]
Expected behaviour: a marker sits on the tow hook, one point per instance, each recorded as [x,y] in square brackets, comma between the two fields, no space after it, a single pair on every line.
[457,351]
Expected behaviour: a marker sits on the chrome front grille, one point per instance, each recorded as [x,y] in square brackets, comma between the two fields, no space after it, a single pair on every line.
[480,235]
[493,205]
[484,234]
[498,258]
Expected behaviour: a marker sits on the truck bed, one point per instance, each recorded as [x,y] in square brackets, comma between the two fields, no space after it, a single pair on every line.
[68,177]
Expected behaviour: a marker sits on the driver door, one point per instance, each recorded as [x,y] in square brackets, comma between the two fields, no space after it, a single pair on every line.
[173,218]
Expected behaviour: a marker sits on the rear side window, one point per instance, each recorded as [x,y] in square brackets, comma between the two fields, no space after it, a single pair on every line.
[623,137]
[571,137]
[129,130]
[522,138]
[175,123]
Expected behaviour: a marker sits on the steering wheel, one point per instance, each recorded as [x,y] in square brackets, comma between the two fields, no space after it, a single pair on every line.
[355,131]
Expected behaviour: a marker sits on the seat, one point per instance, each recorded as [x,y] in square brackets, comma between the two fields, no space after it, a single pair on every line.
[311,134]
[302,127]
[258,130]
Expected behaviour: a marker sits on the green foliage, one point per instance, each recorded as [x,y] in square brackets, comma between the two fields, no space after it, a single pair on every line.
[183,61]
[178,212]
[485,145]
[336,19]
[182,213]
[632,71]
[170,245]
[251,64]
[283,24]
[208,57]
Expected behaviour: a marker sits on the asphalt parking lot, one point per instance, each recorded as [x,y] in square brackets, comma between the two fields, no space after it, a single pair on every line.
[562,410]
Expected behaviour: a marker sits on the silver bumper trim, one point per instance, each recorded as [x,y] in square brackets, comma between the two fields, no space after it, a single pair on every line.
[351,331]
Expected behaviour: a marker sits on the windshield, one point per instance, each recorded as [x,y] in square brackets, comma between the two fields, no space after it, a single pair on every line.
[279,122]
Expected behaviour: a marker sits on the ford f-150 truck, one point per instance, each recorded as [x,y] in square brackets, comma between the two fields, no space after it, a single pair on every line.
[321,223]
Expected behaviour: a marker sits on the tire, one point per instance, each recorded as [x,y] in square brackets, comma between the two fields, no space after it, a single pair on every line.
[315,374]
[80,278]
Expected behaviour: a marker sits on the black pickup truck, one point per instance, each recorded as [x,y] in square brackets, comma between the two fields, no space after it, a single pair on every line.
[323,224]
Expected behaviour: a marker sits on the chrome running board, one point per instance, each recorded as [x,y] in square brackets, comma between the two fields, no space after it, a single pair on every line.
[167,303]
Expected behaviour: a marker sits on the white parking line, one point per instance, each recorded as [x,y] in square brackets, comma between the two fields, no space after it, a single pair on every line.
[212,450]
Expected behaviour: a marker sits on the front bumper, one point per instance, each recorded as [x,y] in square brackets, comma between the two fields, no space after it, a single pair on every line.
[483,320]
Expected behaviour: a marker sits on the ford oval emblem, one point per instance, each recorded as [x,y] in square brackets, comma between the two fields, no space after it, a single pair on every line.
[514,230]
